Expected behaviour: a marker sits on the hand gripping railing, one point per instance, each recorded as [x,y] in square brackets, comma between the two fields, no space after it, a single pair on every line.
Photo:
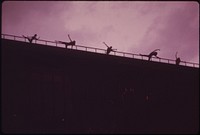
[98,50]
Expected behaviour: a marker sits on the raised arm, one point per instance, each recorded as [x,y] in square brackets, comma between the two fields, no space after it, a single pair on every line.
[176,55]
[69,38]
[156,50]
[105,44]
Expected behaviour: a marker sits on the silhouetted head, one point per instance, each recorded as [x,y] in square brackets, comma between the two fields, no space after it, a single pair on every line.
[156,50]
[176,55]
[153,53]
[35,35]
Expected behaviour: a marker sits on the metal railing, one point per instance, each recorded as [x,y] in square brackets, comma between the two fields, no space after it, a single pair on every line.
[98,50]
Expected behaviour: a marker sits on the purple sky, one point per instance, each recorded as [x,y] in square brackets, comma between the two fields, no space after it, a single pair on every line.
[130,26]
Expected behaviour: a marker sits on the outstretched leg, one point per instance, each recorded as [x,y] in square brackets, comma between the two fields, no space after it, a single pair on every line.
[157,57]
[30,40]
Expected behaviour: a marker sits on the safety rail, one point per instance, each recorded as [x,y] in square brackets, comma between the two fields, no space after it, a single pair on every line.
[98,50]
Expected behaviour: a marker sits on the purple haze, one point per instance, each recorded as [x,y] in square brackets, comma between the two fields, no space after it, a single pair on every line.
[130,26]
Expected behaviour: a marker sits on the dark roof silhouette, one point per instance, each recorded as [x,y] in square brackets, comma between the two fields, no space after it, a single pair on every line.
[98,50]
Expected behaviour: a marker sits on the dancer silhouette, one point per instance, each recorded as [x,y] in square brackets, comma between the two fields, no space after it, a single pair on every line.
[154,53]
[109,49]
[178,60]
[30,39]
[72,43]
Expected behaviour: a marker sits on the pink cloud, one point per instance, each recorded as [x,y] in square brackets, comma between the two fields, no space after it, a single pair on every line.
[178,32]
[136,27]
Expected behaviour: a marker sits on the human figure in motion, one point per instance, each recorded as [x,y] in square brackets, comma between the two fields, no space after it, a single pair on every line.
[109,49]
[72,43]
[154,53]
[30,39]
[178,60]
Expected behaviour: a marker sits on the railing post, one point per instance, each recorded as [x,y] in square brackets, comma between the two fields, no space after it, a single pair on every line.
[14,37]
[133,55]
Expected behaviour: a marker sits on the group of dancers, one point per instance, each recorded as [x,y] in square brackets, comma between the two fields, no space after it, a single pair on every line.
[109,48]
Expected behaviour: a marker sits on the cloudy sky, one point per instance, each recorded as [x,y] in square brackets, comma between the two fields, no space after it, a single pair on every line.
[129,26]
